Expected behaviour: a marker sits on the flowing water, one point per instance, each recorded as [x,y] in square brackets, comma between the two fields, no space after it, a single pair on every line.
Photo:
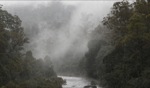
[75,82]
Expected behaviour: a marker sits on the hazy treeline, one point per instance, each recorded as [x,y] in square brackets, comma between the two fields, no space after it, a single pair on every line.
[117,50]
[19,69]
[50,33]
[59,30]
[123,61]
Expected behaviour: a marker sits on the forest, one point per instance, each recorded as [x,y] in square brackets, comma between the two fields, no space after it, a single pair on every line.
[125,61]
[19,69]
[115,53]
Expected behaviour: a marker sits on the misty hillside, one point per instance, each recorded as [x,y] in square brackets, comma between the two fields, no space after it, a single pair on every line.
[75,44]
[59,30]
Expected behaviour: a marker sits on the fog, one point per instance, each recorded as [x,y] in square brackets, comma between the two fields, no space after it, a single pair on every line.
[59,29]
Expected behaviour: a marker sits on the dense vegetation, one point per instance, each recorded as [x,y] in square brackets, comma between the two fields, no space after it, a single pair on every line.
[19,69]
[125,62]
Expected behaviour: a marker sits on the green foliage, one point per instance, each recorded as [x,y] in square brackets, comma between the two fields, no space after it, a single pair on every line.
[119,18]
[19,70]
[12,38]
[131,57]
[127,66]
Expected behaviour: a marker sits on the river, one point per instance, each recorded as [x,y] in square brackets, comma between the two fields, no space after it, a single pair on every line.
[75,82]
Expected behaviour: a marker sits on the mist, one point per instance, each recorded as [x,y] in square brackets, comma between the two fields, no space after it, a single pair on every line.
[75,44]
[59,29]
[56,28]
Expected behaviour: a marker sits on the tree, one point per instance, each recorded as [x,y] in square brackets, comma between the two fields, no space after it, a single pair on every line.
[12,39]
[118,19]
[127,63]
[19,70]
